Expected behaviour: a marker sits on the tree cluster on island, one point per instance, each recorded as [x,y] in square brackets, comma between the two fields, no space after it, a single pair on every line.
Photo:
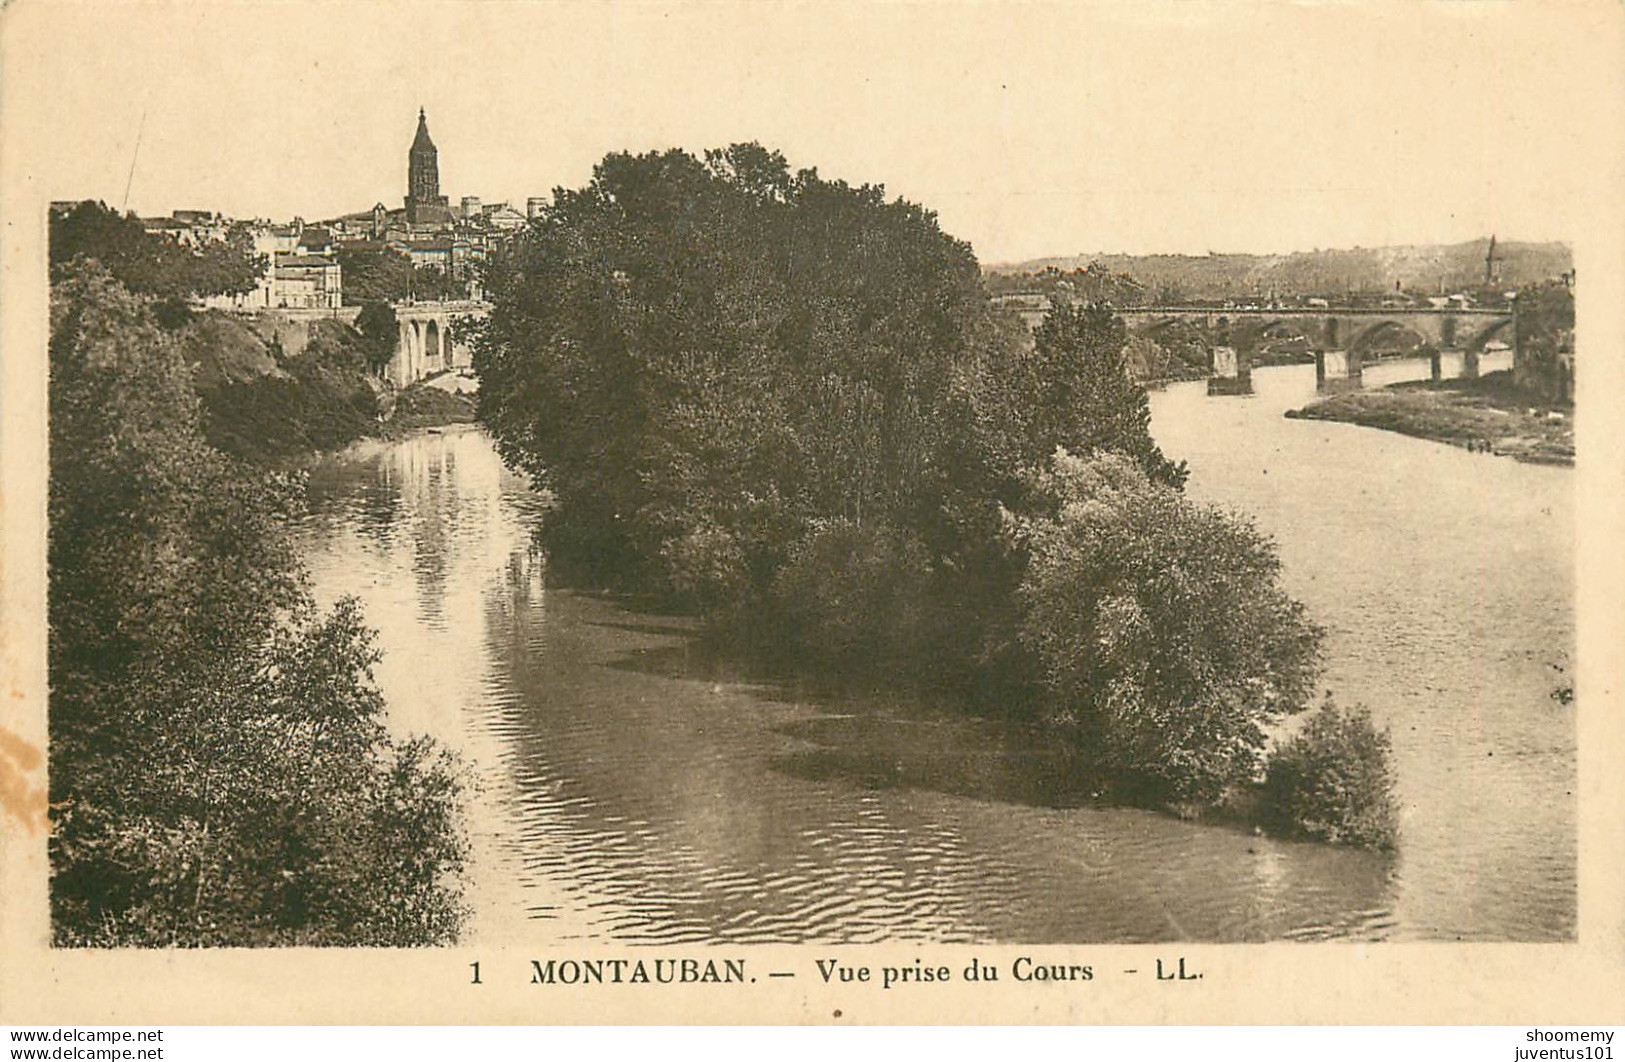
[785,403]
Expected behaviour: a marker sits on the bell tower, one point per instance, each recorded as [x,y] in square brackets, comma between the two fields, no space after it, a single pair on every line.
[424,203]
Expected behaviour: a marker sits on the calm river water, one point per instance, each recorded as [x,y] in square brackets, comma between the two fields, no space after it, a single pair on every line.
[629,791]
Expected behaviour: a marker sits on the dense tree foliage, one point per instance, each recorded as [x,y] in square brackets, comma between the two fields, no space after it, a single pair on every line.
[786,402]
[1091,403]
[382,274]
[709,355]
[321,399]
[151,264]
[1161,635]
[219,771]
[1545,340]
[373,274]
[433,282]
[377,324]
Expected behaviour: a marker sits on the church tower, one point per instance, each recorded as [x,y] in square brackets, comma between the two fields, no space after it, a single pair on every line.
[424,203]
[1492,264]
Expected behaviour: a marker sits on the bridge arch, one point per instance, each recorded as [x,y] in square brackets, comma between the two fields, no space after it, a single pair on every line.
[1432,329]
[1283,328]
[1254,336]
[1477,341]
[434,345]
[1399,337]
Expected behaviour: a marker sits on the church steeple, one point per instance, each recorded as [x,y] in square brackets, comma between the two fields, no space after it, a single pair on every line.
[423,199]
[423,163]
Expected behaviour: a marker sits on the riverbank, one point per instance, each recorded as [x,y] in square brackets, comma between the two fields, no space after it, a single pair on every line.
[1488,414]
[322,409]
[425,405]
[279,399]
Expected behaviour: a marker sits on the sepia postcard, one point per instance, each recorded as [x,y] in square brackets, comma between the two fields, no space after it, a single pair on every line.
[696,512]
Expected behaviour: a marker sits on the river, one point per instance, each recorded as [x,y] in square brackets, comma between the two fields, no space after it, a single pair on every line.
[631,790]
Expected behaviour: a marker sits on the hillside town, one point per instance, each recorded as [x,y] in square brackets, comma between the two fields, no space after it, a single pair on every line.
[306,262]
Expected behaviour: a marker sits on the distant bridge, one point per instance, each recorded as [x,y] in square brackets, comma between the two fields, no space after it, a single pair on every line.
[1353,330]
[1340,337]
[428,341]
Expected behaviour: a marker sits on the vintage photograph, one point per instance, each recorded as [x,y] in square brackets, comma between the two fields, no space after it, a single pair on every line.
[589,478]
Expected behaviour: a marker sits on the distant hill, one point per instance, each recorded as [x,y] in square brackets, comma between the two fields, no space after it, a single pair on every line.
[1173,277]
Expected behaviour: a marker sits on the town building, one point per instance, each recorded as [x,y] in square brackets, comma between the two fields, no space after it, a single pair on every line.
[305,282]
[301,260]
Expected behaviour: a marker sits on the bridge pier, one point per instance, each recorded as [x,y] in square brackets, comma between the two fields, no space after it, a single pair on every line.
[403,367]
[1337,370]
[1229,373]
[1469,364]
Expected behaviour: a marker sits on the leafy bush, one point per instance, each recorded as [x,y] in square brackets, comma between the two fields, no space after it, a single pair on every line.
[1332,780]
[1163,642]
[314,408]
[259,803]
[855,598]
[706,569]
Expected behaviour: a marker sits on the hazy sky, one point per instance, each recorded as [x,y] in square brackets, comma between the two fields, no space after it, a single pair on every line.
[1030,128]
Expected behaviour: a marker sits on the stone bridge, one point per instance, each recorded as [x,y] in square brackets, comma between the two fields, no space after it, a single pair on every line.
[429,342]
[1356,330]
[1341,338]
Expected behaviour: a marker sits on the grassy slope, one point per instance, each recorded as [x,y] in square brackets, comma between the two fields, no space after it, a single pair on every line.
[266,407]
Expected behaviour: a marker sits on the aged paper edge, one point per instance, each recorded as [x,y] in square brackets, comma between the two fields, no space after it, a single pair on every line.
[1581,982]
